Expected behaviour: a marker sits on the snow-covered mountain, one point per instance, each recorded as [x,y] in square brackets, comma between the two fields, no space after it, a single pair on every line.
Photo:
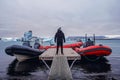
[113,36]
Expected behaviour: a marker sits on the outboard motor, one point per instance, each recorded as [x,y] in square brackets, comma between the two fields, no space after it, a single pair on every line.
[36,45]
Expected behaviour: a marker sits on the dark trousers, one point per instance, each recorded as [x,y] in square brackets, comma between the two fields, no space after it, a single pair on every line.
[59,44]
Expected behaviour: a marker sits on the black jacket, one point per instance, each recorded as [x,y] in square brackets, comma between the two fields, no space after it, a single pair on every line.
[59,37]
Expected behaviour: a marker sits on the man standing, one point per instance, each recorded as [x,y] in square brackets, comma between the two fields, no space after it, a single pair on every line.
[59,39]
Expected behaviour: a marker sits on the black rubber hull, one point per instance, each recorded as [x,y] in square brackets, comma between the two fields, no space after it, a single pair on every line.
[22,50]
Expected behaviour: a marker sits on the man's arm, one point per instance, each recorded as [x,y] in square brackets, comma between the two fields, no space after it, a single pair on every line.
[55,37]
[63,37]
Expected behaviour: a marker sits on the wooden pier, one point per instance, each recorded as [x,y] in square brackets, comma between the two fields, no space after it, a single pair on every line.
[60,70]
[51,53]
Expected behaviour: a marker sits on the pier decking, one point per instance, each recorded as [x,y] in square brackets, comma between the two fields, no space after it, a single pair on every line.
[68,52]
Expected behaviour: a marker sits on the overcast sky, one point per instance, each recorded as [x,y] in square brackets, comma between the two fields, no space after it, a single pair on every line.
[43,17]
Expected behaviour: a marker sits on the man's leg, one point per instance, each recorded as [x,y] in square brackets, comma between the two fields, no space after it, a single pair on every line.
[61,44]
[57,48]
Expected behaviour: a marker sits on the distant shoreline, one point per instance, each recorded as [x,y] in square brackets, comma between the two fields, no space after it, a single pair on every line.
[107,39]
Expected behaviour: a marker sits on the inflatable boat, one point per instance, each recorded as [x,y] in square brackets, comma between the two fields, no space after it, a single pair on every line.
[23,52]
[73,45]
[95,50]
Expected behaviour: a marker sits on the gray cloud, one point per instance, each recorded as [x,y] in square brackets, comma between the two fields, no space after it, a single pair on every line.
[44,16]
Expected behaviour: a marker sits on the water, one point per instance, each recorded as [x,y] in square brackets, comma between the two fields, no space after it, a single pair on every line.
[10,69]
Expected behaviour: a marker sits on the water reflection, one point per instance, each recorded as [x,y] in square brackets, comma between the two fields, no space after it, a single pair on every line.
[99,70]
[96,67]
[22,68]
[83,70]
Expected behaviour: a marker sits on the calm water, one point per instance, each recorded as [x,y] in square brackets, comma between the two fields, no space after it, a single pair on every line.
[10,69]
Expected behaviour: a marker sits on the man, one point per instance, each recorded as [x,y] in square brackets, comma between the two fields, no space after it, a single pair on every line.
[89,43]
[59,39]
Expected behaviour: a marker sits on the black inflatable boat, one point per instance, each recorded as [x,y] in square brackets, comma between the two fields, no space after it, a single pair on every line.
[23,52]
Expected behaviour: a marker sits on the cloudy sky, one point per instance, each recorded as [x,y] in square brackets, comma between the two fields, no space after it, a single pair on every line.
[43,17]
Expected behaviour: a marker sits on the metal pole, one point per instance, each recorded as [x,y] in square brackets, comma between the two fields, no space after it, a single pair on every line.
[85,37]
[94,38]
[73,62]
[45,64]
